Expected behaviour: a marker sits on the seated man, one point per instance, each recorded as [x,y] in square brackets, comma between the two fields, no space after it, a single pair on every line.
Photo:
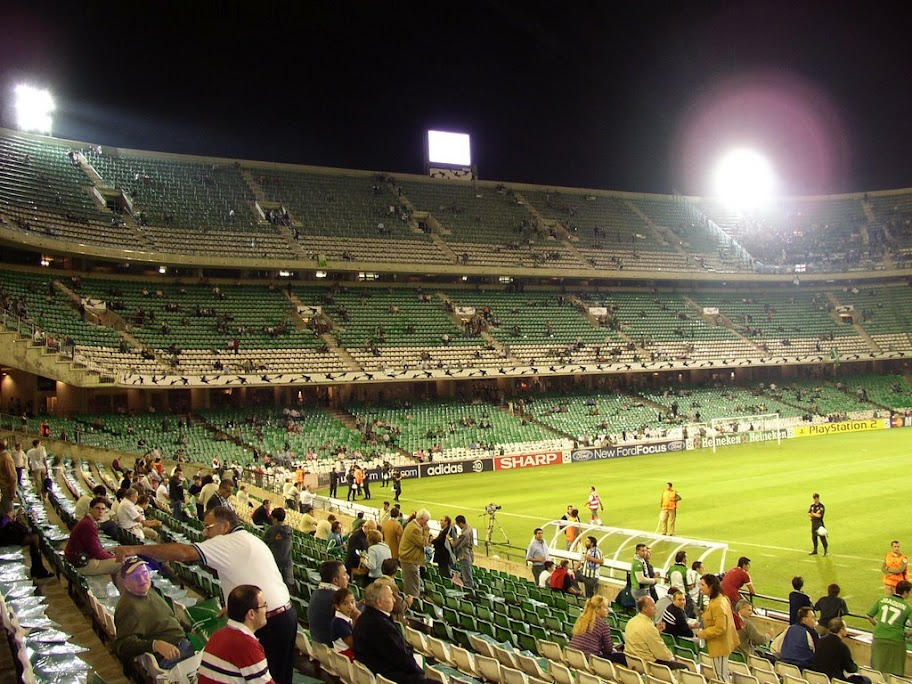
[796,645]
[320,610]
[378,642]
[106,525]
[84,547]
[642,638]
[833,657]
[144,622]
[261,514]
[562,579]
[750,636]
[13,532]
[233,653]
[674,618]
[130,517]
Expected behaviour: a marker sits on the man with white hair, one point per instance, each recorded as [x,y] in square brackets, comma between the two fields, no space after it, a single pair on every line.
[415,537]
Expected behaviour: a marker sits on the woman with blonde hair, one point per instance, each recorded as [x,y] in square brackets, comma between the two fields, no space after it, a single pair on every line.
[592,633]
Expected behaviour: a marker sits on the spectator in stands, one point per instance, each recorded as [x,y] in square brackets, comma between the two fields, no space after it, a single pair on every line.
[233,653]
[261,514]
[333,576]
[308,521]
[20,461]
[208,491]
[324,527]
[37,464]
[130,517]
[890,615]
[222,496]
[415,537]
[144,622]
[377,552]
[341,631]
[829,607]
[797,599]
[239,558]
[13,532]
[749,636]
[443,544]
[335,539]
[279,540]
[563,579]
[589,565]
[8,479]
[797,644]
[736,579]
[378,641]
[464,548]
[642,578]
[719,630]
[833,658]
[544,577]
[674,618]
[392,532]
[642,638]
[176,493]
[84,548]
[592,633]
[290,493]
[538,553]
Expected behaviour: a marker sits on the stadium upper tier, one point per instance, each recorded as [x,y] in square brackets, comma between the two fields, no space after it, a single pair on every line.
[72,197]
[198,333]
[457,428]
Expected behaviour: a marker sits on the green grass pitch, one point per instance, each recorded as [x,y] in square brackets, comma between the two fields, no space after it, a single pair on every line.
[754,497]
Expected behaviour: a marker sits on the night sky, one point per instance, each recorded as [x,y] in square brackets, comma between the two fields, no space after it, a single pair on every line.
[638,96]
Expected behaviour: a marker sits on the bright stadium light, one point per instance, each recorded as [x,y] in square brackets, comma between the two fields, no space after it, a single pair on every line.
[34,107]
[744,179]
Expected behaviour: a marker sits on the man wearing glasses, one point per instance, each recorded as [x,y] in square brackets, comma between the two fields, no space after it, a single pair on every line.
[239,558]
[84,547]
[233,654]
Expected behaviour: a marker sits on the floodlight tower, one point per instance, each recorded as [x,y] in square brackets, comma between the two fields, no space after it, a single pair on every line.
[34,107]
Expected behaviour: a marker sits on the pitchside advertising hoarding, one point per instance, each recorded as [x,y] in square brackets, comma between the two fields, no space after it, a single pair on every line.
[840,428]
[664,447]
[531,460]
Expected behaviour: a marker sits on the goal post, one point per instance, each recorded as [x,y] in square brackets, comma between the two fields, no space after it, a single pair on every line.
[757,427]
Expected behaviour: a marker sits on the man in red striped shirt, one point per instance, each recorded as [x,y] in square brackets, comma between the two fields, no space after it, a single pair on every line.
[233,654]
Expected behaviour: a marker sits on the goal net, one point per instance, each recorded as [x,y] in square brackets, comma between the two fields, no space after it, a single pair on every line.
[758,427]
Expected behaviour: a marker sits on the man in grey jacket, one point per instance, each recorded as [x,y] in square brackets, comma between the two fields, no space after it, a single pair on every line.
[464,547]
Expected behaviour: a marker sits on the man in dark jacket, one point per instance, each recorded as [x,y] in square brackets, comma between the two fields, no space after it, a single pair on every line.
[833,657]
[798,643]
[278,539]
[378,642]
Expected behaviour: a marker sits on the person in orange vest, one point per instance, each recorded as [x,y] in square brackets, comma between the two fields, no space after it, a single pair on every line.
[572,529]
[668,512]
[359,480]
[895,568]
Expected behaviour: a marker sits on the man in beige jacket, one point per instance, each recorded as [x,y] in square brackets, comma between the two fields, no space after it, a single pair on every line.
[411,552]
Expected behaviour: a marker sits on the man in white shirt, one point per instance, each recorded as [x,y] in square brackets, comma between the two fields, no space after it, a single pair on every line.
[163,497]
[20,461]
[544,577]
[289,493]
[131,518]
[239,558]
[37,457]
[305,498]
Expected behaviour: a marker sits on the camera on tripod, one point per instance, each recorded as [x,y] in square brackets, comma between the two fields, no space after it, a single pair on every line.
[492,508]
